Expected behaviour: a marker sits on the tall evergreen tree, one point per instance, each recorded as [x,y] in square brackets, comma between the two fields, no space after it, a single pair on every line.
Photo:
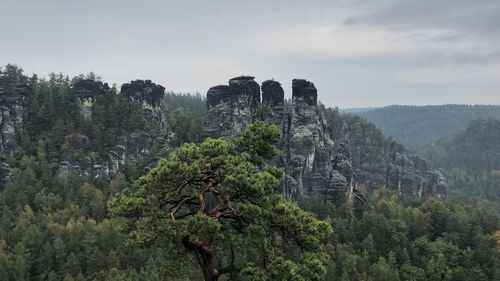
[217,200]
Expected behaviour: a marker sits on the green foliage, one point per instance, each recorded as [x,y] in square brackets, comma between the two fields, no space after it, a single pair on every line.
[12,75]
[185,102]
[391,238]
[474,149]
[370,146]
[470,161]
[54,228]
[414,126]
[187,127]
[217,200]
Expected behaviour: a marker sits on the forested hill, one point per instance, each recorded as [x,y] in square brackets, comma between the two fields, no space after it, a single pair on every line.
[381,162]
[72,207]
[475,148]
[471,160]
[417,125]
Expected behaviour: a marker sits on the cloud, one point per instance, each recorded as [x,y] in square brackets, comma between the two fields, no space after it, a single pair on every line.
[469,75]
[358,52]
[478,17]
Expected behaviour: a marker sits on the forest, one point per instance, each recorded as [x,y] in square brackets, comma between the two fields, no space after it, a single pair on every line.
[415,126]
[152,225]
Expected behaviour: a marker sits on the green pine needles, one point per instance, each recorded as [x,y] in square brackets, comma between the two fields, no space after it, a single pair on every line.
[218,200]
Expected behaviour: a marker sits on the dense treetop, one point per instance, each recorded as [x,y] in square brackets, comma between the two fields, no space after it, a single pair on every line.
[217,199]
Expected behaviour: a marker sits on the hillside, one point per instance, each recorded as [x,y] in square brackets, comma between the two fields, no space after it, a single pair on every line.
[471,160]
[418,125]
[475,148]
[356,110]
[74,206]
[381,162]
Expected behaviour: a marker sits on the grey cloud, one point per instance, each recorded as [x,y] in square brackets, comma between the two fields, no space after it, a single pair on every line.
[190,45]
[477,58]
[350,21]
[479,16]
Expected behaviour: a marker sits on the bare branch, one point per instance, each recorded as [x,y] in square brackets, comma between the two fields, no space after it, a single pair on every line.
[176,209]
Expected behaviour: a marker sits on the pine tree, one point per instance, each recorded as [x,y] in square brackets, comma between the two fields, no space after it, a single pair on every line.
[218,197]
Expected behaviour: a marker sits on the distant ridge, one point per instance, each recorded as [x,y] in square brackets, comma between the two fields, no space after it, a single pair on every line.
[356,109]
[419,125]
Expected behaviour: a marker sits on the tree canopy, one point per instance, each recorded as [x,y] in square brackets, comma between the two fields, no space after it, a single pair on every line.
[220,197]
[60,228]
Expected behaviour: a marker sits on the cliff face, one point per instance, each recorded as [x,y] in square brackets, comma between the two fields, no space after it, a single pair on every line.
[273,98]
[87,91]
[11,120]
[475,149]
[232,108]
[384,163]
[131,147]
[312,165]
[144,92]
[150,96]
[312,169]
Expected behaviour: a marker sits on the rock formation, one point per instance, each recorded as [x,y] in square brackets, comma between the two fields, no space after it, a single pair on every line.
[386,163]
[135,146]
[273,107]
[308,156]
[310,166]
[11,120]
[315,165]
[150,96]
[87,91]
[230,109]
[144,92]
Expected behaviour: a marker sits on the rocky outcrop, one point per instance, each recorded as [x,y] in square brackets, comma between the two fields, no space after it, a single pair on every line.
[80,159]
[315,165]
[312,166]
[135,147]
[11,121]
[87,91]
[273,110]
[230,109]
[219,111]
[76,157]
[144,92]
[11,117]
[311,169]
[150,96]
[385,163]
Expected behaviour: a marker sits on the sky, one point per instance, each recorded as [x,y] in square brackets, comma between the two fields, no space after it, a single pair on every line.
[358,53]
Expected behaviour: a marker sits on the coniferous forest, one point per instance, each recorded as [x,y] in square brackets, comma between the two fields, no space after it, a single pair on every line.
[209,209]
[416,126]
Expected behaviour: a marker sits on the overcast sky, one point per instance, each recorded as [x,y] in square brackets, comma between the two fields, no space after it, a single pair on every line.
[359,53]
